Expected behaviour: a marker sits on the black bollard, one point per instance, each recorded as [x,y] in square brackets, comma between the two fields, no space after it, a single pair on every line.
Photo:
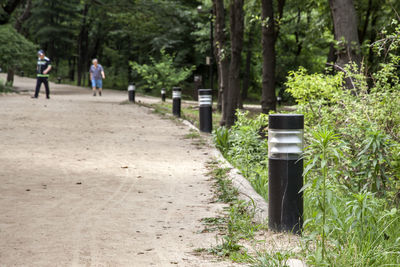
[59,79]
[176,101]
[163,94]
[205,110]
[22,73]
[131,92]
[285,147]
[279,100]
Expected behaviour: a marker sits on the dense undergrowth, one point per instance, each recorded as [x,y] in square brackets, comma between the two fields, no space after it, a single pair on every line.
[352,162]
[4,88]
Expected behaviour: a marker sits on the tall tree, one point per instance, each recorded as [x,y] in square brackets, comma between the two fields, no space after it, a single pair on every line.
[247,66]
[15,50]
[6,9]
[345,30]
[268,98]
[25,14]
[51,27]
[18,27]
[83,45]
[221,56]
[237,31]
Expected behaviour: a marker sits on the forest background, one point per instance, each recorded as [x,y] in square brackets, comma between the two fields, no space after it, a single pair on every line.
[337,62]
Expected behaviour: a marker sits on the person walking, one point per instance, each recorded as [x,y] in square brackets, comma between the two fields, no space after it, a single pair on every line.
[96,76]
[43,68]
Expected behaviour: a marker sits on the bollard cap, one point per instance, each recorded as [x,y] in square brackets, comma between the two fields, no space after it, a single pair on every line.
[131,87]
[205,97]
[285,136]
[176,92]
[205,91]
[286,121]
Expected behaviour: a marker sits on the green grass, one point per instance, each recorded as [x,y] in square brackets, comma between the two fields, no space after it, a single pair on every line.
[193,134]
[236,225]
[4,88]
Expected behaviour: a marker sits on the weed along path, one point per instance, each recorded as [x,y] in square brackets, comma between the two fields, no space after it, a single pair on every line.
[89,181]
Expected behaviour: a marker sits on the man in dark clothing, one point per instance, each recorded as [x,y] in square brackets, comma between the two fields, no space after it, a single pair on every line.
[43,68]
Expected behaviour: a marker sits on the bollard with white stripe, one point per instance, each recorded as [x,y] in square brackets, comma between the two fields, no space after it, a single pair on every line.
[176,101]
[285,171]
[205,110]
[163,94]
[131,92]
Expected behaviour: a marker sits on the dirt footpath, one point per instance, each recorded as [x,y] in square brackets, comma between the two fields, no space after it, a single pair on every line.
[89,181]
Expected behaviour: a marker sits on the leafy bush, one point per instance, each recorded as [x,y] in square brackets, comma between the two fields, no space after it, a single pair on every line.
[162,73]
[244,146]
[3,87]
[352,173]
[221,139]
[15,50]
[308,88]
[352,156]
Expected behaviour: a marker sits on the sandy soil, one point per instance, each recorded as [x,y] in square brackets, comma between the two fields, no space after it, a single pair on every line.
[88,181]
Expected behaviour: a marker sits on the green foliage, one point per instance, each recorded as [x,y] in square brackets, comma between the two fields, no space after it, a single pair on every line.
[163,73]
[226,192]
[52,26]
[334,210]
[352,166]
[309,88]
[247,149]
[352,173]
[3,87]
[322,153]
[221,139]
[15,50]
[238,223]
[278,259]
[243,145]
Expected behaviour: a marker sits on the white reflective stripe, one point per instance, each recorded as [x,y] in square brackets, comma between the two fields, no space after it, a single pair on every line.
[176,94]
[131,88]
[163,92]
[205,100]
[286,141]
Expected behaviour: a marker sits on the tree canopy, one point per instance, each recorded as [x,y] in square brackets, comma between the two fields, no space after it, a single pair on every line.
[15,50]
[278,37]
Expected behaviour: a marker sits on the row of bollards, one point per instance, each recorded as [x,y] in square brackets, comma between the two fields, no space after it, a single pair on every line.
[205,104]
[285,163]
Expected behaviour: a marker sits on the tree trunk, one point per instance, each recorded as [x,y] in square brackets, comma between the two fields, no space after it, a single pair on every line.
[24,16]
[363,32]
[222,59]
[83,47]
[247,71]
[10,76]
[372,37]
[331,59]
[237,30]
[268,98]
[345,30]
[71,66]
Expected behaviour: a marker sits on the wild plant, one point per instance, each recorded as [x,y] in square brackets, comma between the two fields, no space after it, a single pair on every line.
[221,139]
[321,156]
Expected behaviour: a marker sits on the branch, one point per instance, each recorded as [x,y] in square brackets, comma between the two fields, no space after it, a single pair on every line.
[24,16]
[337,67]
